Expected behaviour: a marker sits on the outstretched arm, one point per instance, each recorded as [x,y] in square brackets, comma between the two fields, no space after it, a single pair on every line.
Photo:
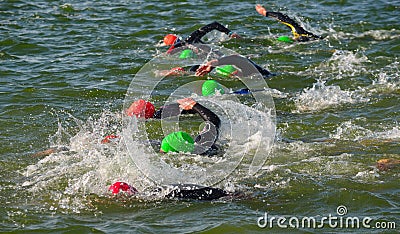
[209,135]
[205,113]
[299,33]
[245,65]
[196,36]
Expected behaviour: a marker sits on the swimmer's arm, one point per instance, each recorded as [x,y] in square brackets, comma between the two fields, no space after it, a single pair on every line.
[201,32]
[50,151]
[239,61]
[296,29]
[205,113]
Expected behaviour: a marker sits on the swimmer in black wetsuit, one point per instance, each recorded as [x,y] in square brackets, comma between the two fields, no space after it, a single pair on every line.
[195,37]
[203,144]
[299,33]
[174,191]
[246,67]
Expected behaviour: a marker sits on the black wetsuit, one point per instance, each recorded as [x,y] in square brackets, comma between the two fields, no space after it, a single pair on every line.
[193,191]
[205,141]
[299,33]
[195,37]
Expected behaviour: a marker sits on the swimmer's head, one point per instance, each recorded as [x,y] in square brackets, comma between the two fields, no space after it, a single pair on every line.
[170,39]
[118,187]
[186,54]
[210,87]
[177,142]
[226,70]
[285,39]
[141,109]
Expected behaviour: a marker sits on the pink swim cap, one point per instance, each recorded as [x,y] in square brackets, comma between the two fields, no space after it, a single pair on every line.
[122,186]
[140,109]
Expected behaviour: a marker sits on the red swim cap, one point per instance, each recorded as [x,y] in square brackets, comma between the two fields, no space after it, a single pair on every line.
[170,39]
[107,138]
[122,186]
[141,108]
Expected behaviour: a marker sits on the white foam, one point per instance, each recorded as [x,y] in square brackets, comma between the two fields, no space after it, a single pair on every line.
[322,96]
[387,79]
[349,131]
[342,64]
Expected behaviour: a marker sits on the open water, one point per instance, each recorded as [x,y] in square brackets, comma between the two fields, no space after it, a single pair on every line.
[65,69]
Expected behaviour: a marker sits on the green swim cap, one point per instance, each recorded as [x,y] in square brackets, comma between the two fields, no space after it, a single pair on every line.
[185,54]
[210,86]
[226,70]
[285,39]
[177,142]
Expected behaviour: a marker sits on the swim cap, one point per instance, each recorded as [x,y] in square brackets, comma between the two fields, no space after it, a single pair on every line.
[177,142]
[108,138]
[122,186]
[185,54]
[170,39]
[141,108]
[210,86]
[285,39]
[227,70]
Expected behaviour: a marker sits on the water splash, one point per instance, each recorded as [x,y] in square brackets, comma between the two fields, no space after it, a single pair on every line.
[342,64]
[349,131]
[387,79]
[87,168]
[69,178]
[322,96]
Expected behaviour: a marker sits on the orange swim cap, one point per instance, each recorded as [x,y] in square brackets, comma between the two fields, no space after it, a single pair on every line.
[141,108]
[170,39]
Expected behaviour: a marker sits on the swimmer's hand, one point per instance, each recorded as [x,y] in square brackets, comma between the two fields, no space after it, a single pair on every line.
[50,151]
[186,103]
[206,68]
[261,10]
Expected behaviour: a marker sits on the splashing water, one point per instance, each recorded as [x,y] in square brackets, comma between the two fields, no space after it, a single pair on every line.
[321,96]
[89,167]
[342,64]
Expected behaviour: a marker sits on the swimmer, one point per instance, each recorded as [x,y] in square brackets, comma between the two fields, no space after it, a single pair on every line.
[195,37]
[202,144]
[299,33]
[238,66]
[225,70]
[226,66]
[179,191]
[175,42]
